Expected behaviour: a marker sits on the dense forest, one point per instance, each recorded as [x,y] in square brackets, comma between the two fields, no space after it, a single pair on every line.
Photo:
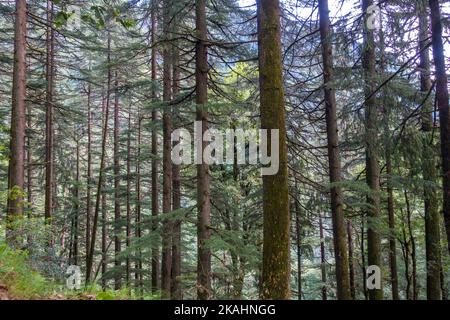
[335,182]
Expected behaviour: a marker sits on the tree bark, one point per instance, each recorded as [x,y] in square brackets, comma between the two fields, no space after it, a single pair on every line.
[166,257]
[49,103]
[298,229]
[117,219]
[276,255]
[406,255]
[104,263]
[363,260]
[29,172]
[429,165]
[203,175]
[89,171]
[413,247]
[155,205]
[350,260]
[176,197]
[128,218]
[17,143]
[93,237]
[323,262]
[76,195]
[391,222]
[443,107]
[372,157]
[389,173]
[138,233]
[337,206]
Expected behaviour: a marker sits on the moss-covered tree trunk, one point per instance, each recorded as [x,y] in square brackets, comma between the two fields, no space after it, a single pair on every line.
[276,255]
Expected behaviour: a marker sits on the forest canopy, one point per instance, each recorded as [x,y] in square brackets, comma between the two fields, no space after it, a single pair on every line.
[224,149]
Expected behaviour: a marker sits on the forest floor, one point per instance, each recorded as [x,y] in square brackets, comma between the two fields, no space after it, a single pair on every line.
[19,281]
[4,293]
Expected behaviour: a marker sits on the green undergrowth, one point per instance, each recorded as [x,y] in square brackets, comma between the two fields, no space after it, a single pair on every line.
[23,282]
[18,277]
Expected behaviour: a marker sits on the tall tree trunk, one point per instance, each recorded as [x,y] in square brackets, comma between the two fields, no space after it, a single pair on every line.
[176,197]
[323,261]
[406,255]
[337,213]
[76,195]
[276,255]
[17,143]
[363,260]
[232,224]
[413,247]
[372,165]
[391,222]
[298,229]
[443,106]
[104,264]
[117,219]
[203,175]
[89,170]
[155,198]
[389,173]
[138,276]
[29,174]
[128,226]
[351,266]
[166,257]
[90,259]
[49,103]
[432,226]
